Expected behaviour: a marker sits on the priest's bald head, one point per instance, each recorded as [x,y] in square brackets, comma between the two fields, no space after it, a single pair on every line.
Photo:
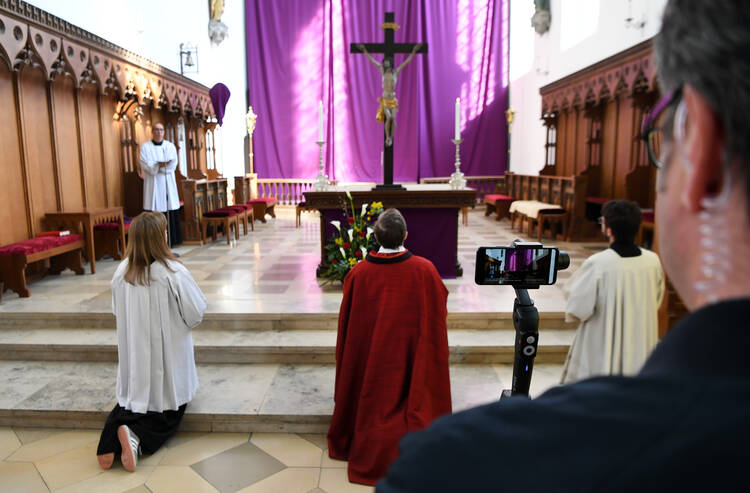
[702,145]
[390,229]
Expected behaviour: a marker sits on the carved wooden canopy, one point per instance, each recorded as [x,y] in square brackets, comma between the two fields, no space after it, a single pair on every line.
[29,35]
[630,72]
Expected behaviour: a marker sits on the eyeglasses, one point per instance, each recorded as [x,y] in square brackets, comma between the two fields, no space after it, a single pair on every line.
[653,126]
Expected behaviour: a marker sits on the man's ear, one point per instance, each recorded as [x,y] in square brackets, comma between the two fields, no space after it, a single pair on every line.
[406,235]
[702,148]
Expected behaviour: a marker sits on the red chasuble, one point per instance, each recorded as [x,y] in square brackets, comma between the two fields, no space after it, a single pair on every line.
[391,360]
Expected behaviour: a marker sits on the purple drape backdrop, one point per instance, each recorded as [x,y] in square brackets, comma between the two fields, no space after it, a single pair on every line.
[298,53]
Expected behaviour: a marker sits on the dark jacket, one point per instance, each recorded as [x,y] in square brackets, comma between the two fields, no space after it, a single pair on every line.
[682,424]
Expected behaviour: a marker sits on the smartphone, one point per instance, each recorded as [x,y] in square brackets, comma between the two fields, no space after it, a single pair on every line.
[518,265]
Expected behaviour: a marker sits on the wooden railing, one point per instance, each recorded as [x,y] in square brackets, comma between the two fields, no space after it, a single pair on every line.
[286,191]
[482,184]
[289,191]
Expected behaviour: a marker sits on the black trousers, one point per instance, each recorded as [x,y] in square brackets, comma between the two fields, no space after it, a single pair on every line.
[175,231]
[153,429]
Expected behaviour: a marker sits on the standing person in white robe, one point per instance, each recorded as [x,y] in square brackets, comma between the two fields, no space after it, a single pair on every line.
[615,295]
[159,162]
[156,303]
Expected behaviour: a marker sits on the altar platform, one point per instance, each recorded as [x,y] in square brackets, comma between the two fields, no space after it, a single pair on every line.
[265,351]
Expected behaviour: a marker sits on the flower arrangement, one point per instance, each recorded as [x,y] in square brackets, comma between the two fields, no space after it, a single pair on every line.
[352,241]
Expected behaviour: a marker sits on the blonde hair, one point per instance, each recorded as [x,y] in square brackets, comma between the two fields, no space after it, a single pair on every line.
[147,243]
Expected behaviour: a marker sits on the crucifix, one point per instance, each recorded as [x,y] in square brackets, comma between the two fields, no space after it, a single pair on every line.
[388,103]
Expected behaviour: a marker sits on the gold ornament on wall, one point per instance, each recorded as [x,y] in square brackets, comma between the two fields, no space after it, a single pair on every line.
[217,30]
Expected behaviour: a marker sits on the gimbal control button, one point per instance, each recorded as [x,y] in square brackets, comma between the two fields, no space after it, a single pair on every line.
[529,350]
[530,339]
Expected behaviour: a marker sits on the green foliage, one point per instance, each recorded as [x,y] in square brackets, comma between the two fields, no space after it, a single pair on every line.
[352,240]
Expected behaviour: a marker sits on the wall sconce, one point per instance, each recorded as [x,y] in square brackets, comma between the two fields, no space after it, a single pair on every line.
[188,59]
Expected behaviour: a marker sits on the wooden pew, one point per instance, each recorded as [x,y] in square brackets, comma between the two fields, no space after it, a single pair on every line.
[61,252]
[201,196]
[567,195]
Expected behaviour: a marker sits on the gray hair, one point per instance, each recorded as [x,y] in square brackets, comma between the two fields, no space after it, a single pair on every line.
[706,44]
[390,229]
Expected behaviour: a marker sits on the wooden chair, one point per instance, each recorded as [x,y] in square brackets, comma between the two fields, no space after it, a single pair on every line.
[225,218]
[301,207]
[107,239]
[262,206]
[245,214]
[498,203]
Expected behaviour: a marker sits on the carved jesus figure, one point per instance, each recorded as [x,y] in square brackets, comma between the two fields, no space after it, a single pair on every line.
[388,102]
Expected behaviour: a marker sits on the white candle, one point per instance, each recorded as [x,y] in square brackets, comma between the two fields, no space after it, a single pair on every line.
[458,119]
[320,121]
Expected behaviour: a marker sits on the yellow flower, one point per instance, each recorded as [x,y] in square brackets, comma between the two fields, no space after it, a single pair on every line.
[376,207]
[339,241]
[352,262]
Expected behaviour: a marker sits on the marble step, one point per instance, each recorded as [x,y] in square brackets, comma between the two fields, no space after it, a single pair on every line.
[267,321]
[264,346]
[231,398]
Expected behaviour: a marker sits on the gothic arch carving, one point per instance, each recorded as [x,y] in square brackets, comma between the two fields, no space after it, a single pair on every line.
[77,58]
[625,73]
[48,48]
[13,36]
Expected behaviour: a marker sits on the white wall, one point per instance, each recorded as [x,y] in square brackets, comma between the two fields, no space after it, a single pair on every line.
[582,33]
[155,28]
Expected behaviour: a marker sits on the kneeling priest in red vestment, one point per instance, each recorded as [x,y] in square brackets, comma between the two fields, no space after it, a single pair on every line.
[391,354]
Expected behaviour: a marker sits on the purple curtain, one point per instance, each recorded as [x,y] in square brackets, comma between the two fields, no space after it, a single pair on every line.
[298,53]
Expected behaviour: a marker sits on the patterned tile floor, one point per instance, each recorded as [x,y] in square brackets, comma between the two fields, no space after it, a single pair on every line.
[42,460]
[45,459]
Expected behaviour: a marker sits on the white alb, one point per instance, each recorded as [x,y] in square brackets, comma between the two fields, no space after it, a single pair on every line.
[156,367]
[159,184]
[616,299]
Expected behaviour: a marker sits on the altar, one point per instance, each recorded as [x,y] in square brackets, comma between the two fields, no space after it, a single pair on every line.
[431,213]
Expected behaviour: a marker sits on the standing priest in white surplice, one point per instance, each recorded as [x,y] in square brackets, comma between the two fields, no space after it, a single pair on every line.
[615,295]
[159,162]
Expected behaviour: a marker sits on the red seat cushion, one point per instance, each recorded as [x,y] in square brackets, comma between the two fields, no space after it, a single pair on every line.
[597,200]
[237,208]
[268,200]
[220,213]
[111,226]
[27,247]
[495,197]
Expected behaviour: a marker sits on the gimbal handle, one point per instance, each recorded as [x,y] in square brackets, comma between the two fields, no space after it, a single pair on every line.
[526,323]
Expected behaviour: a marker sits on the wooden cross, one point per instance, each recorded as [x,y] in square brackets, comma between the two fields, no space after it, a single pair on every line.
[388,48]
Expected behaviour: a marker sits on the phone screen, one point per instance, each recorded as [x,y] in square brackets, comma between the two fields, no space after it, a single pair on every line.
[516,266]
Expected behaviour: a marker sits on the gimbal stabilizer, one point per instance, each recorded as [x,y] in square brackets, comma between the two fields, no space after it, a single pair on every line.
[526,324]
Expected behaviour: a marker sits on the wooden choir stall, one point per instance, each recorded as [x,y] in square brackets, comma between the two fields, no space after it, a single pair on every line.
[593,119]
[78,109]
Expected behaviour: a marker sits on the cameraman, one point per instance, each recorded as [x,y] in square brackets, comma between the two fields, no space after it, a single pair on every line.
[682,423]
[615,295]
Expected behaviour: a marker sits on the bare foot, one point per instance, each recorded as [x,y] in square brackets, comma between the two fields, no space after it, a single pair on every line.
[105,460]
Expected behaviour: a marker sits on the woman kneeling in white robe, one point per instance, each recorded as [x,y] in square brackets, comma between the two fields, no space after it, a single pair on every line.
[156,303]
